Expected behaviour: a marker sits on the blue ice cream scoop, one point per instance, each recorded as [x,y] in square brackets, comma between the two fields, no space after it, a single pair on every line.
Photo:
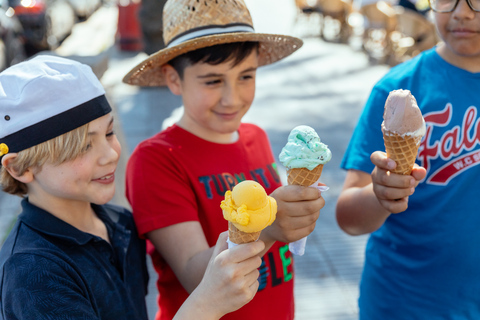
[304,149]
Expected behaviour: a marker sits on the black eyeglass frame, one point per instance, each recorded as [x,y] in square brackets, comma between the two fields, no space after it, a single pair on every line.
[453,9]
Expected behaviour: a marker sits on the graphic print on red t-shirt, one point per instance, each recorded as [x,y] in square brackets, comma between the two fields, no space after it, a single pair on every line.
[220,183]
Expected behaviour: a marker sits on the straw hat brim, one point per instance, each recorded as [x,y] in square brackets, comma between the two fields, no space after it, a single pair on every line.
[272,48]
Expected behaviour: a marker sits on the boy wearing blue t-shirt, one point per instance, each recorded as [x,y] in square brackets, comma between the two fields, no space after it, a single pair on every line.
[422,257]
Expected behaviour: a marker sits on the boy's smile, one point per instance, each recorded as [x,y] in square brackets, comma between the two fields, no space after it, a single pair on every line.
[460,30]
[87,179]
[216,97]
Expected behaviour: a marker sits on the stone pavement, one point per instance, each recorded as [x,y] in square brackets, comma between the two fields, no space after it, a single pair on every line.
[323,85]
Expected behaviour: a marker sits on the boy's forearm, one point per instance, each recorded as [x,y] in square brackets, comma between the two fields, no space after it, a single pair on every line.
[194,271]
[185,249]
[269,242]
[359,211]
[196,307]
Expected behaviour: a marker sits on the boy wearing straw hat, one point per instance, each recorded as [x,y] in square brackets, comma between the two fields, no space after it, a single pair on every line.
[177,179]
[70,255]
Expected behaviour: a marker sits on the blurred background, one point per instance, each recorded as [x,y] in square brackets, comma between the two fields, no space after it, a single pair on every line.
[388,32]
[348,47]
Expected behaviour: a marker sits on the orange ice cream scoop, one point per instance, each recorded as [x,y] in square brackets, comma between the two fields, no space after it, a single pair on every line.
[248,207]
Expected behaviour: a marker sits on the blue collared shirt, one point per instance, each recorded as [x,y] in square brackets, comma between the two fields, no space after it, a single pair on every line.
[51,270]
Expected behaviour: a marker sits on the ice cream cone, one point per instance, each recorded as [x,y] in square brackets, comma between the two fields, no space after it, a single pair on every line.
[303,176]
[248,210]
[402,149]
[304,156]
[239,237]
[403,128]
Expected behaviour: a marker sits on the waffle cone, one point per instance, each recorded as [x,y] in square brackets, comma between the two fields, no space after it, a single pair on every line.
[303,176]
[239,237]
[403,150]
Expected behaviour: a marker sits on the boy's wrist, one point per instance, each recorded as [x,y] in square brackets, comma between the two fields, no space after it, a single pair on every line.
[267,238]
[200,306]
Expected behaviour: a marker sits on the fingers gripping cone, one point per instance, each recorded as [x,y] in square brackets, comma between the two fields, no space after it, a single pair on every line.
[403,150]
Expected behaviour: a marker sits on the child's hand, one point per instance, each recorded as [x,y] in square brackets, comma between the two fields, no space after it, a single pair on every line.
[392,190]
[230,280]
[298,211]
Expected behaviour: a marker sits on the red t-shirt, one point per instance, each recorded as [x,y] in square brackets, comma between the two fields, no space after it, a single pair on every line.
[176,176]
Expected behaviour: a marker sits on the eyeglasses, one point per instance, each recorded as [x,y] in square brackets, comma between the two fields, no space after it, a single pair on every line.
[444,6]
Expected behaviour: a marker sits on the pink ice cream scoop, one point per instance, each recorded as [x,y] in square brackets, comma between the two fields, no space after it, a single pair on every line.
[402,115]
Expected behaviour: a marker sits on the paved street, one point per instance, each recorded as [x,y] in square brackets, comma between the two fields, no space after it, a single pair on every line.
[323,85]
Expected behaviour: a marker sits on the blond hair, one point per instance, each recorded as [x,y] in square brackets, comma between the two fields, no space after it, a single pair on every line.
[56,151]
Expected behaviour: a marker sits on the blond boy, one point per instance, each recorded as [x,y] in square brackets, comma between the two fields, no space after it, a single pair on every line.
[71,255]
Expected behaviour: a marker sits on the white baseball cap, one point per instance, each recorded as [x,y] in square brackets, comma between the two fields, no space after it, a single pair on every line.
[45,97]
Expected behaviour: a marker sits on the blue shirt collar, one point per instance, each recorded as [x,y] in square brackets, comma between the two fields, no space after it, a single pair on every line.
[44,222]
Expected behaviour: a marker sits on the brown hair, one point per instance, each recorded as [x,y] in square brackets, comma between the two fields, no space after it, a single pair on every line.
[214,55]
[58,150]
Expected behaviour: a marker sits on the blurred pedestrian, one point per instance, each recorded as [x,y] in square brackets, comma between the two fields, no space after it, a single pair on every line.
[422,256]
[414,5]
[151,23]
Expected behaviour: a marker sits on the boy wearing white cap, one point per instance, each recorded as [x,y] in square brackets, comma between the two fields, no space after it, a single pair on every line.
[177,179]
[70,255]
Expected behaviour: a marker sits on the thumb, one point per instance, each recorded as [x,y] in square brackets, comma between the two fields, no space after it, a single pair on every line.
[221,244]
[418,172]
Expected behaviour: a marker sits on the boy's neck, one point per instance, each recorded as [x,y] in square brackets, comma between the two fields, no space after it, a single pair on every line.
[471,64]
[215,137]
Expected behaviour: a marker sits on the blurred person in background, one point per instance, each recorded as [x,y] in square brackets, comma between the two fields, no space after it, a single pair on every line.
[151,21]
[420,6]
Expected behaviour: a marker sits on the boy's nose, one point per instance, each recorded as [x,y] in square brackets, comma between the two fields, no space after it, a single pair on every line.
[463,9]
[230,96]
[111,153]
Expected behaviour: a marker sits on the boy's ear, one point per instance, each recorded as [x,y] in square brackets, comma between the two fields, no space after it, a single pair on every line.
[172,78]
[26,177]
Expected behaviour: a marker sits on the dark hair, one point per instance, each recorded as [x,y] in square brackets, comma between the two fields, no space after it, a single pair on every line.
[214,55]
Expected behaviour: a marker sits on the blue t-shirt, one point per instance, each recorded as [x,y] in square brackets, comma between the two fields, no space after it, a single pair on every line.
[51,270]
[424,263]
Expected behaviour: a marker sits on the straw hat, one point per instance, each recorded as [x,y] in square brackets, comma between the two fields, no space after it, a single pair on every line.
[193,24]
